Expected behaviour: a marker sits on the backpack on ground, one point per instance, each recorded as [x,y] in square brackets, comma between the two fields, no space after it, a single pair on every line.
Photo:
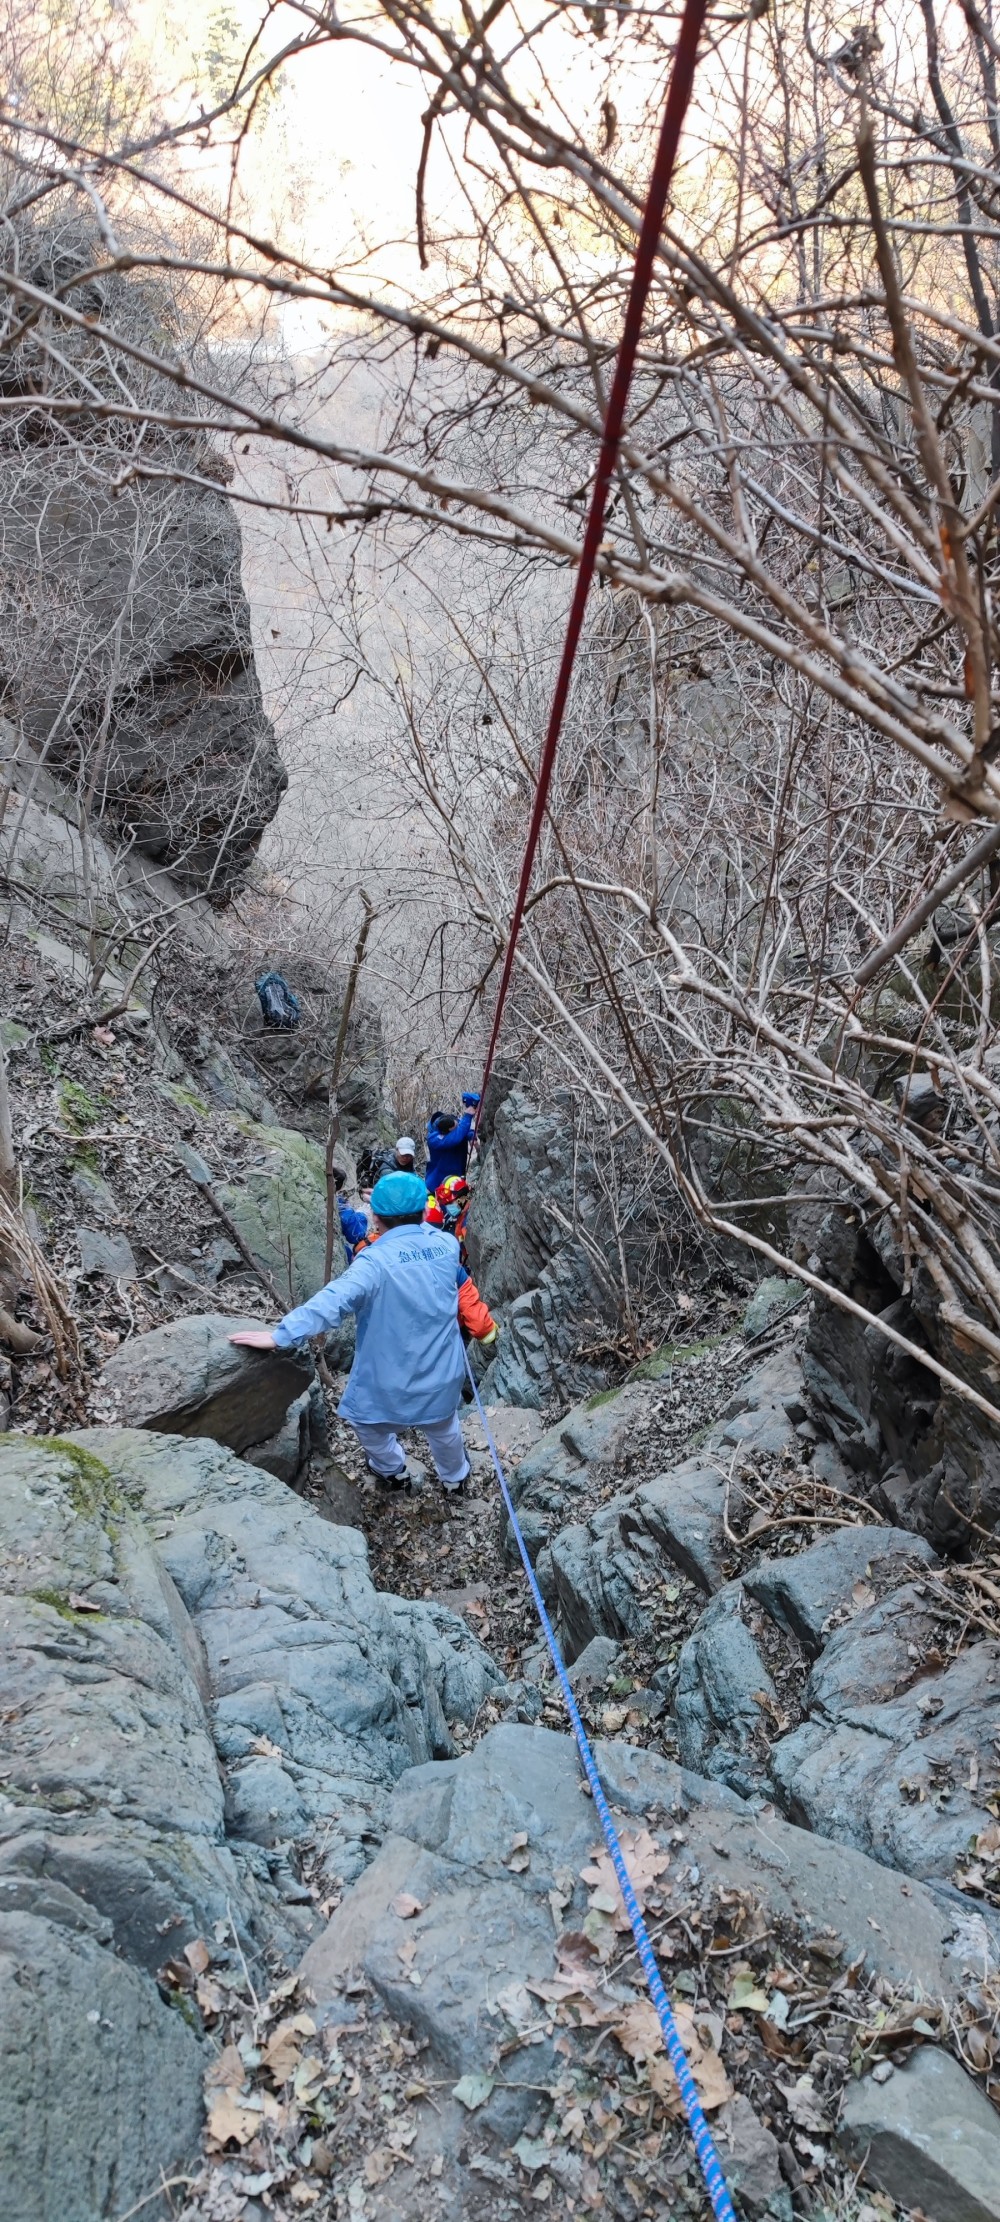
[280,1008]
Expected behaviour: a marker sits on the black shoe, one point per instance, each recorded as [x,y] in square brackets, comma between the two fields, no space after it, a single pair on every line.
[395,1485]
[452,1489]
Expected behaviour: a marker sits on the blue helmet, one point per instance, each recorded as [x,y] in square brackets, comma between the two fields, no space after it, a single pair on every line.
[398,1195]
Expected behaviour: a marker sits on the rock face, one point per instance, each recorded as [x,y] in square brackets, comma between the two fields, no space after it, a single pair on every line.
[187,1378]
[344,1686]
[280,1210]
[927,1457]
[894,1751]
[928,2138]
[596,1574]
[196,1676]
[112,1787]
[100,2082]
[536,1250]
[134,613]
[814,1680]
[451,1832]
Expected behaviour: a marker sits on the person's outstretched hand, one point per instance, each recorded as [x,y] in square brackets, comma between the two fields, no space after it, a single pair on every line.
[256,1338]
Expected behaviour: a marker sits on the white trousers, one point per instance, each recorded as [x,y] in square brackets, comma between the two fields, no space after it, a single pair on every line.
[385,1453]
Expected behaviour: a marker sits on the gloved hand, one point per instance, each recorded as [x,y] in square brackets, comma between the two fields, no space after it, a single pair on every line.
[470,1101]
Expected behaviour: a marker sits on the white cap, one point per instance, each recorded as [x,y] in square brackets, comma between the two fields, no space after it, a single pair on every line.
[406,1146]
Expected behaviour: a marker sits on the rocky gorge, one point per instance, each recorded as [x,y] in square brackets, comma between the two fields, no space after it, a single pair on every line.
[303,1906]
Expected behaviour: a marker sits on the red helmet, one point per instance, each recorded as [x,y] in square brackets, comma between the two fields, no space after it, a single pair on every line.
[452,1190]
[433,1216]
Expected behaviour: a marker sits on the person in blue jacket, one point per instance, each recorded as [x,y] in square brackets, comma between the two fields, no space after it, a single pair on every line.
[449,1141]
[353,1224]
[409,1363]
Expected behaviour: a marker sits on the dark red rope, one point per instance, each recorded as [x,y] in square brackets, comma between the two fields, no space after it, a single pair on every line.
[678,95]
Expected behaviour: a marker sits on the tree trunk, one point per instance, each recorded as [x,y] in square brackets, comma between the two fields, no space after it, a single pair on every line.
[333,1129]
[8,1162]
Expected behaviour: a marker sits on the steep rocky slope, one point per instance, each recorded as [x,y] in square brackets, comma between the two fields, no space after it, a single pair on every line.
[302,1906]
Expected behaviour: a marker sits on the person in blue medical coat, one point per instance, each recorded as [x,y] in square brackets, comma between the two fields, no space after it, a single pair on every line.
[409,1364]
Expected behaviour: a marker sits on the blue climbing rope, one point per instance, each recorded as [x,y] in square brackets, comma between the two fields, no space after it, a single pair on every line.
[704,2143]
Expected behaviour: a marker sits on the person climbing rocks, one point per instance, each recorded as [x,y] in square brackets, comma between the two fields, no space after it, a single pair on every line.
[409,1364]
[447,1209]
[449,1141]
[353,1224]
[402,1157]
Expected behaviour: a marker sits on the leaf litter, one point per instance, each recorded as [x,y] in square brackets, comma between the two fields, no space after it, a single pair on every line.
[347,2121]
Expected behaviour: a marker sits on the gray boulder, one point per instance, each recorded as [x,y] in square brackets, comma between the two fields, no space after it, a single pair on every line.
[279,1209]
[751,2159]
[569,1456]
[894,1745]
[597,1573]
[928,2137]
[111,1784]
[721,1679]
[111,1254]
[322,1691]
[803,1593]
[484,1929]
[895,1761]
[682,1510]
[772,1299]
[591,1669]
[100,2082]
[134,655]
[188,1378]
[596,1576]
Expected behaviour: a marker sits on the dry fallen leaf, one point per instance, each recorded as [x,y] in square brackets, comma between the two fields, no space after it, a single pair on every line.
[379,2164]
[198,1955]
[638,2032]
[711,2081]
[81,1604]
[514,2002]
[230,2121]
[283,2050]
[645,1862]
[980,2045]
[308,2079]
[406,1906]
[804,2104]
[227,2071]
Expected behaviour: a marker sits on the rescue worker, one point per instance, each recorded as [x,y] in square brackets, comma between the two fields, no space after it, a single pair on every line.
[449,1141]
[449,1206]
[409,1365]
[474,1316]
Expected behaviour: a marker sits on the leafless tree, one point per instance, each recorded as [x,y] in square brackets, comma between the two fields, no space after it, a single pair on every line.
[787,714]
